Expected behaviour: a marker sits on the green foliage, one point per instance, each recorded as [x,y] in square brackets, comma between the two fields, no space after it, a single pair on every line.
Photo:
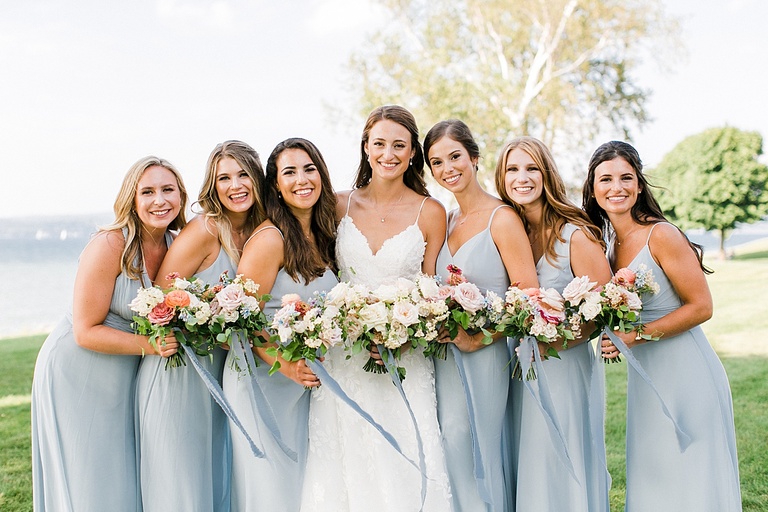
[713,180]
[560,70]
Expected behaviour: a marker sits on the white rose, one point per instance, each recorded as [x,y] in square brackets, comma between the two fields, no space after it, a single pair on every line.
[331,337]
[405,313]
[397,336]
[578,289]
[230,297]
[428,287]
[385,293]
[374,316]
[589,310]
[181,283]
[337,295]
[469,297]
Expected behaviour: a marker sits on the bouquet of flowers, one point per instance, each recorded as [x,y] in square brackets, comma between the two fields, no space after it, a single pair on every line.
[538,313]
[400,316]
[180,310]
[620,302]
[467,308]
[235,311]
[305,330]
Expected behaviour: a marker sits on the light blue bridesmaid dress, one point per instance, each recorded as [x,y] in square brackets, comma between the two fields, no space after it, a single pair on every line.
[275,482]
[84,455]
[475,487]
[544,483]
[692,382]
[184,441]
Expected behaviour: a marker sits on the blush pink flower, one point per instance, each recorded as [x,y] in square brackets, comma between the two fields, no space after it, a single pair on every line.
[455,276]
[162,314]
[624,277]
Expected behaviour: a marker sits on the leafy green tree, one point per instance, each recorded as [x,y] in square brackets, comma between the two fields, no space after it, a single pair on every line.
[560,70]
[714,180]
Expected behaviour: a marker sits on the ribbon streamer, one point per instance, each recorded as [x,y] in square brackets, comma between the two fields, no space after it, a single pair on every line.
[683,439]
[482,485]
[259,401]
[218,395]
[529,350]
[597,419]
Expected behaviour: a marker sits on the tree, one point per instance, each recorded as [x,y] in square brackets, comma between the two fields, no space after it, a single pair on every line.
[713,180]
[560,70]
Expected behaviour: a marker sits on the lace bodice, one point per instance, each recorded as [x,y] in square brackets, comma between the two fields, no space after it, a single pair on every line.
[399,256]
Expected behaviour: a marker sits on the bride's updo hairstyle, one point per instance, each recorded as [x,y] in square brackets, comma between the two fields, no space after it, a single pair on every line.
[414,175]
[209,201]
[131,262]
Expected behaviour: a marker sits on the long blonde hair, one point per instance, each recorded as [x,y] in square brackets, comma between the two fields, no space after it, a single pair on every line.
[557,209]
[131,262]
[209,200]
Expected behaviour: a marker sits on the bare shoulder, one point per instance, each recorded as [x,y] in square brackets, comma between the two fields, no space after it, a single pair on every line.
[432,207]
[342,198]
[505,219]
[666,236]
[104,251]
[265,238]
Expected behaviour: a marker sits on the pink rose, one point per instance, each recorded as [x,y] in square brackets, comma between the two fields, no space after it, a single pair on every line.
[231,297]
[162,314]
[290,298]
[469,297]
[624,277]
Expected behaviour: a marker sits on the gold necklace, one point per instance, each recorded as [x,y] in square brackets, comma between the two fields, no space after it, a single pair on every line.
[386,214]
[618,242]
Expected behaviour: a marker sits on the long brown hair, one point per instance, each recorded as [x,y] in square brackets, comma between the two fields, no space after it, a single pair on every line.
[414,175]
[557,209]
[646,209]
[126,217]
[300,257]
[209,200]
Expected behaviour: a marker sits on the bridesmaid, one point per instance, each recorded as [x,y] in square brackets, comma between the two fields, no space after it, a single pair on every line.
[291,252]
[565,245]
[183,432]
[662,473]
[487,240]
[83,393]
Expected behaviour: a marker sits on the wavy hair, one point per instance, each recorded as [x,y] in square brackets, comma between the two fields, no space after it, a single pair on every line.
[209,199]
[414,175]
[557,209]
[301,258]
[126,217]
[646,209]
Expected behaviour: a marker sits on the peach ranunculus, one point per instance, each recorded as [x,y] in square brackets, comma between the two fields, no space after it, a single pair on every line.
[177,299]
[162,314]
[624,277]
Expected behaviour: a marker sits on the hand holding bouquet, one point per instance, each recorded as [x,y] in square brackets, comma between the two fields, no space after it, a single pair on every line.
[180,310]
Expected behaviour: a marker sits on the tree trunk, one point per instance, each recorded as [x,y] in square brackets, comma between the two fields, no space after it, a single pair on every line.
[723,256]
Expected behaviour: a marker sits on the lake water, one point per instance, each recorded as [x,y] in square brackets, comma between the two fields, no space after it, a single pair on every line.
[38,261]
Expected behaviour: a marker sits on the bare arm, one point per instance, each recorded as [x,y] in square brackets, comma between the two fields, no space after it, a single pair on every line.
[94,285]
[195,249]
[261,261]
[671,251]
[432,225]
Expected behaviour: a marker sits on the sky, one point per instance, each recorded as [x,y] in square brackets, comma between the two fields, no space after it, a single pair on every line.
[88,87]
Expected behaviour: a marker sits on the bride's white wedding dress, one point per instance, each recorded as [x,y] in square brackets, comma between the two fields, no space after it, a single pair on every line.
[351,467]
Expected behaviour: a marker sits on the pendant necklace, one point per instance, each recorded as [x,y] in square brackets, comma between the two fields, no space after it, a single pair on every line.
[386,214]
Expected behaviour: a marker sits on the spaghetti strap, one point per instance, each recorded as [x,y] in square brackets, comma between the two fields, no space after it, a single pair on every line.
[262,229]
[421,208]
[493,213]
[349,200]
[651,231]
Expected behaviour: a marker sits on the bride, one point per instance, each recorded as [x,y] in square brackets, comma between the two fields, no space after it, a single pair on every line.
[388,228]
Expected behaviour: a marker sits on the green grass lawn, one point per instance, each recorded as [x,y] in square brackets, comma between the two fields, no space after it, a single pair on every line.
[738,286]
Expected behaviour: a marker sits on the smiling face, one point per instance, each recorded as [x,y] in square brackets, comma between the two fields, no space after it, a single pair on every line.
[616,186]
[451,165]
[523,180]
[298,180]
[158,198]
[234,186]
[389,149]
